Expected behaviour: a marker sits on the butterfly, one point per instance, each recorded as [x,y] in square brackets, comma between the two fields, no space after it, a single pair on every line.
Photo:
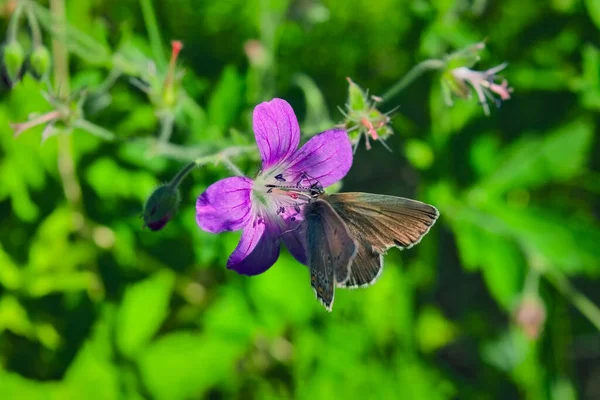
[347,235]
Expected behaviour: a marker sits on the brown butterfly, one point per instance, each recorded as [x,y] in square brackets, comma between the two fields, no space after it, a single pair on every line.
[347,235]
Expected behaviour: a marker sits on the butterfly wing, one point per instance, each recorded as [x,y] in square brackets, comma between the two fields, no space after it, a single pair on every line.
[379,222]
[330,252]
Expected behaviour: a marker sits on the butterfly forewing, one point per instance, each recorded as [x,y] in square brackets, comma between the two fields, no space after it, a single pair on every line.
[331,250]
[379,222]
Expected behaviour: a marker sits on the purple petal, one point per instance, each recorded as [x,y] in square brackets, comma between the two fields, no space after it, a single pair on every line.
[225,205]
[326,157]
[257,250]
[276,130]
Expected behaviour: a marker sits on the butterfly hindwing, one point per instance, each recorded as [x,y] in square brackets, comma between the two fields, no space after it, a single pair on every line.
[331,250]
[379,222]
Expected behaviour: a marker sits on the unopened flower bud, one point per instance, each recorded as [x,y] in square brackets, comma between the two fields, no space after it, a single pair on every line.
[13,60]
[362,118]
[160,207]
[39,61]
[530,316]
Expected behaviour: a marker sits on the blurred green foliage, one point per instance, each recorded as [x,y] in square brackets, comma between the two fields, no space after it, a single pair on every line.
[93,306]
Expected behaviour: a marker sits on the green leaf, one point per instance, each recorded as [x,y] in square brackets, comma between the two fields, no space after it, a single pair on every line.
[92,375]
[183,365]
[532,162]
[568,244]
[317,117]
[14,386]
[145,305]
[593,7]
[503,268]
[226,101]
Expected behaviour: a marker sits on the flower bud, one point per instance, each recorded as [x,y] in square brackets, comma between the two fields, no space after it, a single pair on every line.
[530,316]
[160,207]
[39,61]
[13,60]
[362,118]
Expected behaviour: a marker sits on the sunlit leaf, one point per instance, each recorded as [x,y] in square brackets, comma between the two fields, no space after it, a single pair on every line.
[145,306]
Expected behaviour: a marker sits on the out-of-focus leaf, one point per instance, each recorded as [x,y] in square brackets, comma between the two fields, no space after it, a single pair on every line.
[503,268]
[229,316]
[92,375]
[593,7]
[506,352]
[433,330]
[280,291]
[493,252]
[177,366]
[111,181]
[589,84]
[568,244]
[419,153]
[317,117]
[532,162]
[144,307]
[225,102]
[10,274]
[14,317]
[15,386]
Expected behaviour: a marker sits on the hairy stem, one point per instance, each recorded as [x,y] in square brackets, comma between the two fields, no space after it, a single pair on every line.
[222,156]
[153,33]
[177,179]
[166,127]
[413,74]
[13,25]
[66,165]
[94,129]
[36,32]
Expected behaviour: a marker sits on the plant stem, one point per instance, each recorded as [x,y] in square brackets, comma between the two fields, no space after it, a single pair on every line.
[153,33]
[94,129]
[225,155]
[413,74]
[60,55]
[222,156]
[36,33]
[66,165]
[231,165]
[177,179]
[166,123]
[578,299]
[13,25]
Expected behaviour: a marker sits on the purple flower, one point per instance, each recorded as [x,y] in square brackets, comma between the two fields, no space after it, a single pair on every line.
[271,204]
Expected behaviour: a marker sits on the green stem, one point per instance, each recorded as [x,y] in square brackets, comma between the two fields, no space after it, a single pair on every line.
[153,33]
[60,55]
[222,156]
[578,299]
[36,32]
[413,74]
[13,25]
[231,165]
[166,123]
[177,179]
[532,281]
[80,43]
[94,129]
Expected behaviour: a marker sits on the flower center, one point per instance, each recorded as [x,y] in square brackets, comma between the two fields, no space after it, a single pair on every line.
[285,195]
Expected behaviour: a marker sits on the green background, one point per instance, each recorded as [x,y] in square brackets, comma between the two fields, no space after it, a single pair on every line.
[93,306]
